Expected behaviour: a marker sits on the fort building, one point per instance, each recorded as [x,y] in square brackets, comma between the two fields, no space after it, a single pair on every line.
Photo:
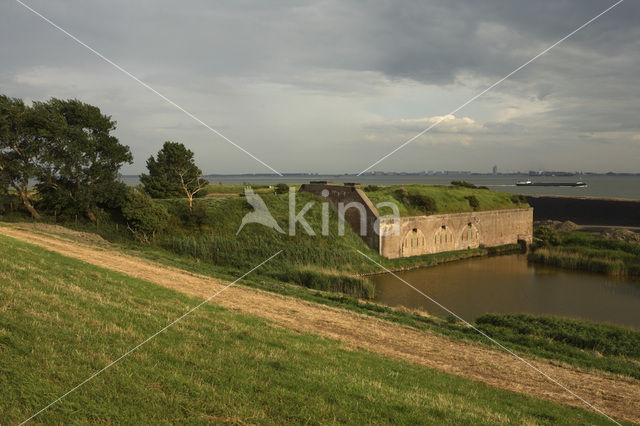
[425,234]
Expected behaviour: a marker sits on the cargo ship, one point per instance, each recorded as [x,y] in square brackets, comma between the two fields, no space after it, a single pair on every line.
[529,183]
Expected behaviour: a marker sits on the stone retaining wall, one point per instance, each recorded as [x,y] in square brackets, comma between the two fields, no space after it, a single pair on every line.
[424,234]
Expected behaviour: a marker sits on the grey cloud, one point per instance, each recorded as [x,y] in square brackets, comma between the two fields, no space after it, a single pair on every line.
[309,78]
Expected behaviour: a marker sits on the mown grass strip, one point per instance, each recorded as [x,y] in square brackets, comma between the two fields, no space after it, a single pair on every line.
[63,319]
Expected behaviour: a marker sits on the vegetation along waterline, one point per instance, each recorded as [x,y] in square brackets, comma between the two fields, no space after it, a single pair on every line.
[585,251]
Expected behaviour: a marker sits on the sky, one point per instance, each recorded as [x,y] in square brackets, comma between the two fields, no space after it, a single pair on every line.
[333,86]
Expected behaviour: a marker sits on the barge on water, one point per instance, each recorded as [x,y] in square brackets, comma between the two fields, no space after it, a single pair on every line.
[529,183]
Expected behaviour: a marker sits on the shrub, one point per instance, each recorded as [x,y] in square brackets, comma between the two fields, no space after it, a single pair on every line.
[191,219]
[372,188]
[519,199]
[402,195]
[546,236]
[282,188]
[463,184]
[473,201]
[423,202]
[144,217]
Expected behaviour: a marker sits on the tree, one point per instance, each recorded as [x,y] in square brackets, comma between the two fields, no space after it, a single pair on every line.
[5,197]
[24,131]
[82,161]
[173,173]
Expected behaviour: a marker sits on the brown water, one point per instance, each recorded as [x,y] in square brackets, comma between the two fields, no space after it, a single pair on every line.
[508,284]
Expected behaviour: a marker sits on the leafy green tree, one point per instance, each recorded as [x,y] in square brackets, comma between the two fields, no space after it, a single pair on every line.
[173,173]
[82,161]
[5,196]
[24,133]
[144,217]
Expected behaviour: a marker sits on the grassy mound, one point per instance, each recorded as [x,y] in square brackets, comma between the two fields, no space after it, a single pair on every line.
[64,319]
[448,199]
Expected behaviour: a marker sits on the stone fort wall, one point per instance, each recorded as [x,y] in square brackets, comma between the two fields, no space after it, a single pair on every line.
[457,231]
[426,234]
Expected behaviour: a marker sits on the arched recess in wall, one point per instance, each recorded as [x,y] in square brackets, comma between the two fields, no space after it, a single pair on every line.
[443,239]
[469,237]
[413,243]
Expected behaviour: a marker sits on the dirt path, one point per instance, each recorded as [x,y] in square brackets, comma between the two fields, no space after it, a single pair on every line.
[617,396]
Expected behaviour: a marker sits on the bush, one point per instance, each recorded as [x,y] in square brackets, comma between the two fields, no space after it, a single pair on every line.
[473,201]
[546,236]
[144,217]
[519,199]
[423,202]
[402,195]
[191,219]
[372,188]
[463,184]
[282,188]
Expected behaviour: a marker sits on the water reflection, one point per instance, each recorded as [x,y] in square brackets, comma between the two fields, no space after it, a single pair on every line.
[508,284]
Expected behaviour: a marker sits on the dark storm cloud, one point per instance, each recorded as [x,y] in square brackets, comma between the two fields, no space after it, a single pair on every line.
[266,72]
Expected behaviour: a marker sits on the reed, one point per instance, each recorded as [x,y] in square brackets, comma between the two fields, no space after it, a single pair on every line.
[586,252]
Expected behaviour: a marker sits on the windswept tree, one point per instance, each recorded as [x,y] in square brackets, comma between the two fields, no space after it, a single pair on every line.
[24,132]
[173,173]
[82,162]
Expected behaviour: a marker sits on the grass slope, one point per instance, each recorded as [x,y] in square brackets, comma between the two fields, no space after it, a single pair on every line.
[449,199]
[323,262]
[61,320]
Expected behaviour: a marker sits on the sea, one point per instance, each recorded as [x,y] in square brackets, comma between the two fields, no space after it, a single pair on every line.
[608,186]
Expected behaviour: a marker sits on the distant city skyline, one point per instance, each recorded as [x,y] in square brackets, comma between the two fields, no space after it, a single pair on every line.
[333,86]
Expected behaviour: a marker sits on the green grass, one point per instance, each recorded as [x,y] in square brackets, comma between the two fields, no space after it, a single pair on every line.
[61,320]
[601,346]
[585,252]
[449,199]
[215,188]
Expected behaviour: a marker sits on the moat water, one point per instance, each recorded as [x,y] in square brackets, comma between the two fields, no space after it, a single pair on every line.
[509,284]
